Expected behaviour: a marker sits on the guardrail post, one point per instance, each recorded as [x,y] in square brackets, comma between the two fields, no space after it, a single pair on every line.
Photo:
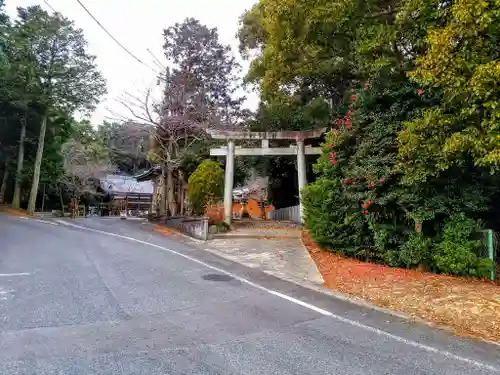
[491,253]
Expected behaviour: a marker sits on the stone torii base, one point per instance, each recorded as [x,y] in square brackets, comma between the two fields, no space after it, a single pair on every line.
[231,151]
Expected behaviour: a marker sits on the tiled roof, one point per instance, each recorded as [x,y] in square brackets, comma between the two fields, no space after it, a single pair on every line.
[125,184]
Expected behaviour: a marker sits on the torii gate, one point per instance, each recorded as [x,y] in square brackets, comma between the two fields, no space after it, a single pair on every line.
[231,151]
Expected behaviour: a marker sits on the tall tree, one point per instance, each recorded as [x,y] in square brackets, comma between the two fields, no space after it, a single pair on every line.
[128,143]
[462,62]
[200,91]
[12,104]
[65,78]
[86,160]
[174,124]
[207,69]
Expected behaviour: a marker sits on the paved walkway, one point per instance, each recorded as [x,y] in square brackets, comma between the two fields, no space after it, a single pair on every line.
[276,251]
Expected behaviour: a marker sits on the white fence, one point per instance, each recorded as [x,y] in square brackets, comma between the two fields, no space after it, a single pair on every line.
[286,214]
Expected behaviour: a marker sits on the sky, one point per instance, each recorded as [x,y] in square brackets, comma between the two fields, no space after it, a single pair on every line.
[138,25]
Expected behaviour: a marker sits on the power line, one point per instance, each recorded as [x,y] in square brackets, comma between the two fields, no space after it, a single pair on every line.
[50,6]
[155,60]
[115,40]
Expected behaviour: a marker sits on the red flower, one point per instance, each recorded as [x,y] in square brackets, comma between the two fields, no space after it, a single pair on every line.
[330,145]
[381,179]
[366,85]
[348,122]
[347,181]
[366,204]
[334,161]
[370,201]
[349,113]
[346,117]
[332,155]
[353,98]
[366,212]
[420,92]
[348,127]
[339,121]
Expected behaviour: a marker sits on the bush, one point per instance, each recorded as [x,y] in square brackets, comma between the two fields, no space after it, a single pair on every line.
[416,251]
[332,223]
[457,251]
[205,186]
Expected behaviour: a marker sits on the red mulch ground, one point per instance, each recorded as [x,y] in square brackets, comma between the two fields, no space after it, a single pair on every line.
[466,306]
[164,230]
[14,212]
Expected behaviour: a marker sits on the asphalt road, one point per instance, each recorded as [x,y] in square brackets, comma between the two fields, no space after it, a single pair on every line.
[76,301]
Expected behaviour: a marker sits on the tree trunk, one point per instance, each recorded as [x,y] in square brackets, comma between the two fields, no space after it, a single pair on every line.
[181,192]
[16,199]
[154,204]
[38,165]
[62,201]
[163,196]
[172,205]
[43,198]
[3,187]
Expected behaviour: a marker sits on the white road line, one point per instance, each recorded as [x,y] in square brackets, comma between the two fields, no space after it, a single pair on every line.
[387,334]
[39,220]
[46,222]
[14,274]
[301,303]
[319,310]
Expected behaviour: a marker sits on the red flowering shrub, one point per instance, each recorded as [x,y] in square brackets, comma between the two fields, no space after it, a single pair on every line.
[367,152]
[341,215]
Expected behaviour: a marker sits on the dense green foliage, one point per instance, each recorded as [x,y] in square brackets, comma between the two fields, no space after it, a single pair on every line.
[457,252]
[47,75]
[462,61]
[205,186]
[411,157]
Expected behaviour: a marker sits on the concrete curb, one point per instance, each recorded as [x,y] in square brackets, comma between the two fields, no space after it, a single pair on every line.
[251,236]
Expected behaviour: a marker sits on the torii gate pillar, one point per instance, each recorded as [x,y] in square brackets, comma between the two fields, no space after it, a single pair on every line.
[301,172]
[229,183]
